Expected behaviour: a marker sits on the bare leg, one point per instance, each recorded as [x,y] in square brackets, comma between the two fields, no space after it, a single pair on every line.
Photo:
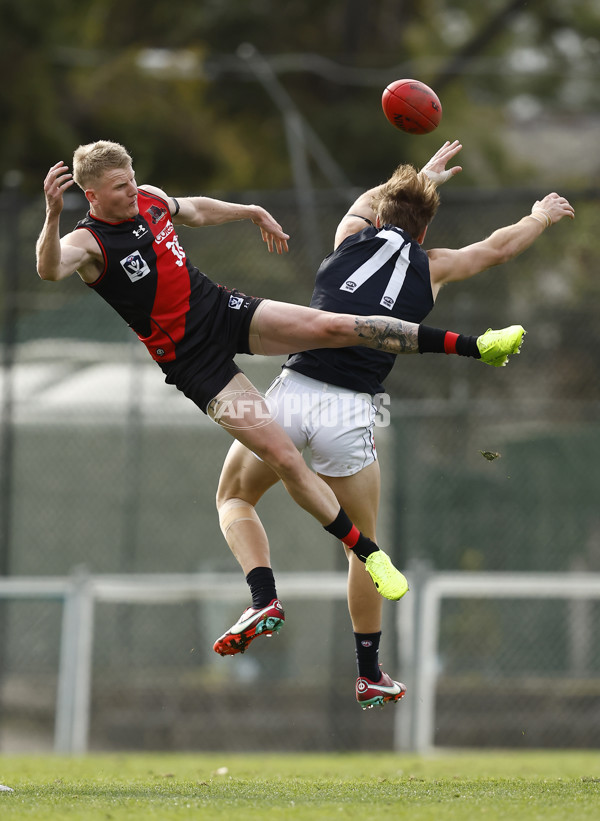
[243,481]
[245,477]
[280,328]
[359,496]
[240,409]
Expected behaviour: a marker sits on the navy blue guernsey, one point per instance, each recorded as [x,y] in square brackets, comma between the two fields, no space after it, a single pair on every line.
[374,272]
[149,281]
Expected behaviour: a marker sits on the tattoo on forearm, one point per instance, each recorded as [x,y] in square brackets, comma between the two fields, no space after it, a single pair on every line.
[391,335]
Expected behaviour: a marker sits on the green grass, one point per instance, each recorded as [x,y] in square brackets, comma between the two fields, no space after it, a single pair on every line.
[524,786]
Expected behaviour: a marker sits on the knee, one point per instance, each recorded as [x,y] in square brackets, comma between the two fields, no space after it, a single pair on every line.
[235,510]
[284,459]
[225,492]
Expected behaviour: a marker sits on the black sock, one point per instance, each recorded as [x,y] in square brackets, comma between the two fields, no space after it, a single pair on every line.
[262,586]
[434,340]
[367,655]
[466,346]
[363,547]
[343,529]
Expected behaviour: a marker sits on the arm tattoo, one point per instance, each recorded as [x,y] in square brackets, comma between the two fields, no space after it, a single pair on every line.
[391,335]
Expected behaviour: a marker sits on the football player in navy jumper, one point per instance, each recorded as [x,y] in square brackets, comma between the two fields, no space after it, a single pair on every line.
[377,262]
[127,250]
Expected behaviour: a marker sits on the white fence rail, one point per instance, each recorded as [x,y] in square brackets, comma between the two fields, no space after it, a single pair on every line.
[434,588]
[418,626]
[80,593]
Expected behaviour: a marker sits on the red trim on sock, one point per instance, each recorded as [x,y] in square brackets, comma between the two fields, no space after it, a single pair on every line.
[450,342]
[351,538]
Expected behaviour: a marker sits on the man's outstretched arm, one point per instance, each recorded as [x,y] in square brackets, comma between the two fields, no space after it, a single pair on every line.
[199,212]
[504,244]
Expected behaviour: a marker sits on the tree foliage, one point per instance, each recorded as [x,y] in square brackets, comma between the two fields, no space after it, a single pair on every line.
[169,82]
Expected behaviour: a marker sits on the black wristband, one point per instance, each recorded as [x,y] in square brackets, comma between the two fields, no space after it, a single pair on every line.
[176,207]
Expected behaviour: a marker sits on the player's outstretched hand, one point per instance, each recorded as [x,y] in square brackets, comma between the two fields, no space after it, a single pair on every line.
[271,231]
[435,169]
[554,207]
[58,179]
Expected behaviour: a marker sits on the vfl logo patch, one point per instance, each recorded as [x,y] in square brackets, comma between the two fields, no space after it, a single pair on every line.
[156,213]
[135,266]
[236,302]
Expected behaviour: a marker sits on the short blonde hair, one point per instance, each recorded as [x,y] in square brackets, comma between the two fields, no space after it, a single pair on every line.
[408,200]
[92,160]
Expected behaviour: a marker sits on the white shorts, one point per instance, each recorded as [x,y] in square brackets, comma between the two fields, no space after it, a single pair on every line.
[334,424]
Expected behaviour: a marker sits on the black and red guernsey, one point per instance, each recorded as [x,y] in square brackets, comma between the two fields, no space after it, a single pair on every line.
[148,280]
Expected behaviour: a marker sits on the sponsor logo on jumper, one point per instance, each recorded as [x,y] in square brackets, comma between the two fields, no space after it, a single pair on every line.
[140,231]
[166,231]
[236,302]
[135,266]
[156,213]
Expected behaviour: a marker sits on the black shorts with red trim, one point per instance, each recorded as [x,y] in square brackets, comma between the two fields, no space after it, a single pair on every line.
[206,369]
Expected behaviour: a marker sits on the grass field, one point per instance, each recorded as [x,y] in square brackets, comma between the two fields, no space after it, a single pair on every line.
[523,786]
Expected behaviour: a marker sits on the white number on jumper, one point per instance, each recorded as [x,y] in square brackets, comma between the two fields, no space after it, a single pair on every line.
[369,268]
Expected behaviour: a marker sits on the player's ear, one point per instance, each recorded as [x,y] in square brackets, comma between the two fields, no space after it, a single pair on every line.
[421,238]
[377,222]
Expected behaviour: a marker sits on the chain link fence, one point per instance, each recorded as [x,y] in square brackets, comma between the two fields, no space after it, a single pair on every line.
[105,467]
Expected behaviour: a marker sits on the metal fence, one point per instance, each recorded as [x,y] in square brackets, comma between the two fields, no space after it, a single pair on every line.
[104,466]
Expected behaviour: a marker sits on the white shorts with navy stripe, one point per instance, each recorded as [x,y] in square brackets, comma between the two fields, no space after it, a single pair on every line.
[334,424]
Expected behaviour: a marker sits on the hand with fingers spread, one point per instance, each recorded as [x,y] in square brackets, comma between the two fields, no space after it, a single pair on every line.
[58,179]
[271,231]
[435,169]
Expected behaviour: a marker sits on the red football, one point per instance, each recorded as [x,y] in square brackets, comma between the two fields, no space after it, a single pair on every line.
[412,106]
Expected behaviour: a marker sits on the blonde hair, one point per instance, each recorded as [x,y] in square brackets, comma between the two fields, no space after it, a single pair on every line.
[408,200]
[92,160]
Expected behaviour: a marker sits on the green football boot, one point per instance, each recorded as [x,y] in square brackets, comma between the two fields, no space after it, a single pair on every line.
[496,346]
[388,581]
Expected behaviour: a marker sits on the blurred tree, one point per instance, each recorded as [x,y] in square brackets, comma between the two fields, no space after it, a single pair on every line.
[172,88]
